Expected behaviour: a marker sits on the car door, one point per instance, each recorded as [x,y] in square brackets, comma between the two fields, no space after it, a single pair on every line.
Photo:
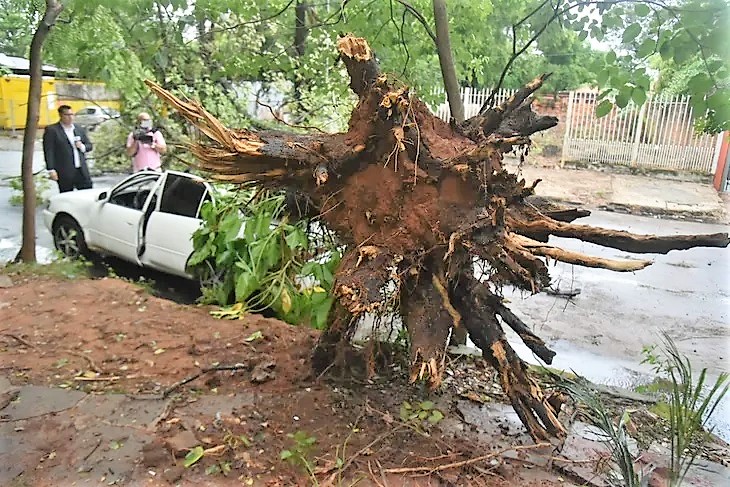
[168,236]
[116,227]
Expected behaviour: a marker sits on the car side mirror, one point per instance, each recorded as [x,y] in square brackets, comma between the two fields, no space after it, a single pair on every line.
[102,196]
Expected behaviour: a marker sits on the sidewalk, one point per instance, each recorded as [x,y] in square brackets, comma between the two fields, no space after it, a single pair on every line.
[627,193]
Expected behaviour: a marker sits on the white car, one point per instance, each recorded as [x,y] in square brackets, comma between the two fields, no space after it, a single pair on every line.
[147,219]
[91,116]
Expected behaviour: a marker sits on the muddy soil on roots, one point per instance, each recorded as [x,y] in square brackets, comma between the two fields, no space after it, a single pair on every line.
[106,352]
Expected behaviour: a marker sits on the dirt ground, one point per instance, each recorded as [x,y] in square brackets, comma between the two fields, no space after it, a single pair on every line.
[111,358]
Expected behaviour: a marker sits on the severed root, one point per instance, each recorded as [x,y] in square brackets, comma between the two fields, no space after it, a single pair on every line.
[429,325]
[482,293]
[569,257]
[619,239]
[478,309]
[534,409]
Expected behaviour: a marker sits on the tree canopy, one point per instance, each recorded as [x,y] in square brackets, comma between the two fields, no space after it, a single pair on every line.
[210,49]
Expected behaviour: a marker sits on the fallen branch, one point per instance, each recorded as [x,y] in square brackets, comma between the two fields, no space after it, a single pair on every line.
[464,463]
[19,340]
[215,368]
[619,239]
[92,365]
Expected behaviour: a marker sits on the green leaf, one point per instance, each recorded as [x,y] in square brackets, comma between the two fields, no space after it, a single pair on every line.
[426,405]
[436,416]
[631,32]
[700,83]
[646,48]
[665,50]
[296,238]
[602,77]
[642,10]
[610,57]
[286,454]
[683,52]
[327,278]
[231,225]
[625,419]
[624,96]
[604,108]
[193,456]
[321,313]
[246,284]
[638,96]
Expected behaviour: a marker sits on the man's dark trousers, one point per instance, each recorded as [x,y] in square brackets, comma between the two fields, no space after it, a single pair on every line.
[79,181]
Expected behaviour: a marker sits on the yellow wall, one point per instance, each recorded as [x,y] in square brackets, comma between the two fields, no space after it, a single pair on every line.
[14,99]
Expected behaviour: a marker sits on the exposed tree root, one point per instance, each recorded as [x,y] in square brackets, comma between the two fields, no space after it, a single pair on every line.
[416,201]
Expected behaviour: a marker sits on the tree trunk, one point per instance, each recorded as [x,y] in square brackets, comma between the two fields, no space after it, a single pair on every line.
[53,10]
[446,60]
[415,202]
[301,32]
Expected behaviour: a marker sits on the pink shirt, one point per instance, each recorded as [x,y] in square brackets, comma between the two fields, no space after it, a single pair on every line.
[146,157]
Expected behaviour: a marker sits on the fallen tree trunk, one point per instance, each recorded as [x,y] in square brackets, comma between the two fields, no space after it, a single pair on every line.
[415,200]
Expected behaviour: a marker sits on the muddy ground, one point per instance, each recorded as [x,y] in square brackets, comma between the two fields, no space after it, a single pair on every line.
[109,350]
[91,393]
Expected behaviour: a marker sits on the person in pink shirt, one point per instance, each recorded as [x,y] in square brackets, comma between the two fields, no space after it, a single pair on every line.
[145,145]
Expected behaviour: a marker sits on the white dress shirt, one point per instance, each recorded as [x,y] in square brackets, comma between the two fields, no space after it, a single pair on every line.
[70,134]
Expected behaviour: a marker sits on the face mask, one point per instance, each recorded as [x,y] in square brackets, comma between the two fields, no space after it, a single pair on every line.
[146,124]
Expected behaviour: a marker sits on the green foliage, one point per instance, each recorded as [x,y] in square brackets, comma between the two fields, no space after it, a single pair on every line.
[110,156]
[684,40]
[42,184]
[616,437]
[18,19]
[62,268]
[688,404]
[298,454]
[227,53]
[424,411]
[691,405]
[193,456]
[223,468]
[262,261]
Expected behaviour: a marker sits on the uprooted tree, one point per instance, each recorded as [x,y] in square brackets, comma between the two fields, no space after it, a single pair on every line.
[417,202]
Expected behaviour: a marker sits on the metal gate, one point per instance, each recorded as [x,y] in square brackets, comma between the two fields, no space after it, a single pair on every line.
[659,134]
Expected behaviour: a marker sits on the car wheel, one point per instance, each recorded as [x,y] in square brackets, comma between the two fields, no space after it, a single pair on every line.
[68,238]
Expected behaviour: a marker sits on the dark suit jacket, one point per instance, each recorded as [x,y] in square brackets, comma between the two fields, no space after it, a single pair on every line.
[59,155]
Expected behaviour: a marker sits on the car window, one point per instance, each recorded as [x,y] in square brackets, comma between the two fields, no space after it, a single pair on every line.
[85,111]
[134,193]
[182,195]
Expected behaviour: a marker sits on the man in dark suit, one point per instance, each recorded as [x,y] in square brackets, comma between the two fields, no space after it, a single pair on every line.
[65,146]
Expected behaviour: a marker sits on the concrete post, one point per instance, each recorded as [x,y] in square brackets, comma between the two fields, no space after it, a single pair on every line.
[637,135]
[568,126]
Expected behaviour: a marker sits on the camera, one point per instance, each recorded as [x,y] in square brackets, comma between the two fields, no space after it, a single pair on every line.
[143,135]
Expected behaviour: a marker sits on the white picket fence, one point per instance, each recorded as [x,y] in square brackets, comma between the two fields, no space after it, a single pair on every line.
[659,134]
[473,100]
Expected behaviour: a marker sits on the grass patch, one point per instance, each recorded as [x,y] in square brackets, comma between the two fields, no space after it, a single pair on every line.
[60,269]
